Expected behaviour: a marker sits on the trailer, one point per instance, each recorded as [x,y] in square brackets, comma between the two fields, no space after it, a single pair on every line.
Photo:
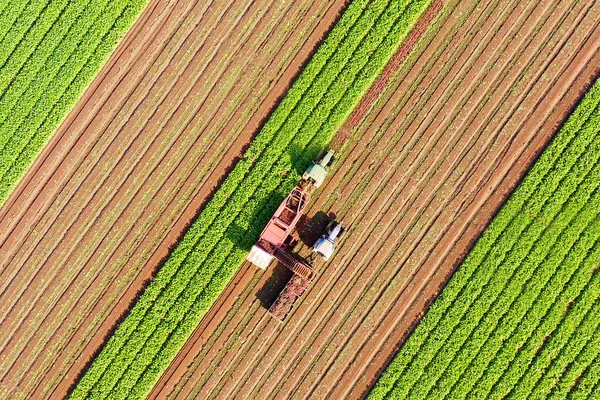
[292,291]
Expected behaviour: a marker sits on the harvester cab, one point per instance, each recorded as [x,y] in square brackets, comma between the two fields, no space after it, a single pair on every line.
[325,245]
[317,172]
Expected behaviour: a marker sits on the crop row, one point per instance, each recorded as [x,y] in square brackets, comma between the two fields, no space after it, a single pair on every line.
[214,247]
[522,285]
[49,52]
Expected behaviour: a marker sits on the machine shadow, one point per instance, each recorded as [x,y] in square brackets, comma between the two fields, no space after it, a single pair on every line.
[301,158]
[244,238]
[279,277]
[310,229]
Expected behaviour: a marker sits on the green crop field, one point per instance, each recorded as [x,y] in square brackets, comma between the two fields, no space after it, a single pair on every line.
[49,53]
[344,67]
[519,319]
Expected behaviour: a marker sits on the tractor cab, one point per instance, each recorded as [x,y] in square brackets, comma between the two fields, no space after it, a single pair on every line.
[325,245]
[317,172]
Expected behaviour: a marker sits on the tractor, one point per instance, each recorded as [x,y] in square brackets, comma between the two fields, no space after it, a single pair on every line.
[317,172]
[325,245]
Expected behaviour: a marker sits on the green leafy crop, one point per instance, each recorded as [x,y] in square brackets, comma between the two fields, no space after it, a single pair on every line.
[50,50]
[519,319]
[214,247]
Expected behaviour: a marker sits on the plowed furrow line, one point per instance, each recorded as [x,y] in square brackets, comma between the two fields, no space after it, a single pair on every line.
[102,196]
[115,238]
[115,210]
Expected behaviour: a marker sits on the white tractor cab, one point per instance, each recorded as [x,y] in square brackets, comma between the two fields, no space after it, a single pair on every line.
[325,245]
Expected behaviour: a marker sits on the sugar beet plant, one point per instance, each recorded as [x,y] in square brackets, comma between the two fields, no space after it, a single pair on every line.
[214,247]
[49,52]
[519,319]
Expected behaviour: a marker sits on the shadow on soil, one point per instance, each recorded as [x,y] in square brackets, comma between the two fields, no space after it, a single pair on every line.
[279,277]
[243,238]
[310,229]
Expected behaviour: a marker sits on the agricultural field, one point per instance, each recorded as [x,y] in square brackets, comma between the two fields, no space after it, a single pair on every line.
[130,167]
[461,156]
[50,51]
[414,191]
[519,319]
[213,248]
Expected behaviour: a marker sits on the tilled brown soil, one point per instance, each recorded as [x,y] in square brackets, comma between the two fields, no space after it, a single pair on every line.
[130,167]
[422,170]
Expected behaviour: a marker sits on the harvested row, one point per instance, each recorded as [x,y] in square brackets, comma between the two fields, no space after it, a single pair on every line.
[213,248]
[50,51]
[521,307]
[130,168]
[415,183]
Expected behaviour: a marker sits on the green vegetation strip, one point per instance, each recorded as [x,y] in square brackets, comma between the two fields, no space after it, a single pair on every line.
[345,65]
[49,52]
[519,319]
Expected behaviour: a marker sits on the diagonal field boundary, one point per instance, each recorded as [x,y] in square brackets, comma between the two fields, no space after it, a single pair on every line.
[343,68]
[516,319]
[49,53]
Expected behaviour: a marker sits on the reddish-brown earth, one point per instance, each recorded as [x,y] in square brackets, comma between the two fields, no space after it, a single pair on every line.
[424,164]
[130,167]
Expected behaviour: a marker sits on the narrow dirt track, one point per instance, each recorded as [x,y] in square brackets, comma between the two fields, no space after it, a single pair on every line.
[130,167]
[422,170]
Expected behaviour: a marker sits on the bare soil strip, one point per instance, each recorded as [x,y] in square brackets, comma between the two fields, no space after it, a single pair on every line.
[130,167]
[425,162]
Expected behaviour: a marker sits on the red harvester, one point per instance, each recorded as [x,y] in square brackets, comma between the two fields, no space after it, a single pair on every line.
[276,240]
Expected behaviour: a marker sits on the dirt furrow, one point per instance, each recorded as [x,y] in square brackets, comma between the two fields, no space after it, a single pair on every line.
[40,235]
[422,196]
[490,124]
